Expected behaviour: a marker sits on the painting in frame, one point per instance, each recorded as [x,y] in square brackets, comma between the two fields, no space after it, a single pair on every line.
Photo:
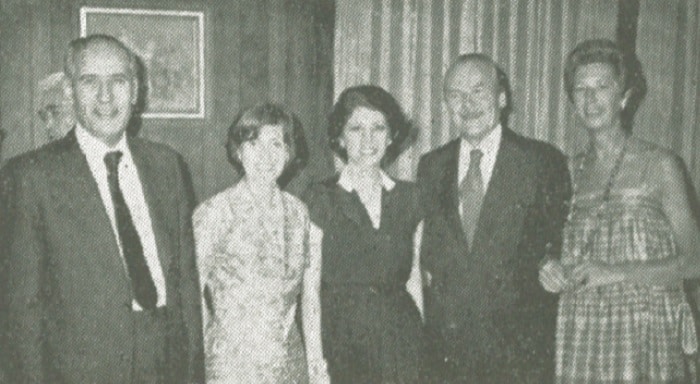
[171,47]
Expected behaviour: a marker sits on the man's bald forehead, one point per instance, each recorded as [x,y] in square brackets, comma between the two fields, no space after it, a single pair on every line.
[107,45]
[485,64]
[96,43]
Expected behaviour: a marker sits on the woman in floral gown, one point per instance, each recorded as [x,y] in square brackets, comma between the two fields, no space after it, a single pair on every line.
[629,242]
[253,259]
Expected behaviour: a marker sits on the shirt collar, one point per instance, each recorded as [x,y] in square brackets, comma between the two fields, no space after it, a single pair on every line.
[94,149]
[345,181]
[488,144]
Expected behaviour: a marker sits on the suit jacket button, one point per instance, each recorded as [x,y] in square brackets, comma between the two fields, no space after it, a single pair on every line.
[122,356]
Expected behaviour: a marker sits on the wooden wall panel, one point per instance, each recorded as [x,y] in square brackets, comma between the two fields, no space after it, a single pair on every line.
[255,50]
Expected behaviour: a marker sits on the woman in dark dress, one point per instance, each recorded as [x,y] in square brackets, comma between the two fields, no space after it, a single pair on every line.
[364,225]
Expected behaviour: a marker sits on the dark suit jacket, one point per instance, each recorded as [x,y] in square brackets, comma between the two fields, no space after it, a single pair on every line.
[66,299]
[487,315]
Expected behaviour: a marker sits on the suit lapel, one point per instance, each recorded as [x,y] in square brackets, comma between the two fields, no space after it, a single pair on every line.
[155,186]
[75,188]
[449,187]
[507,188]
[75,191]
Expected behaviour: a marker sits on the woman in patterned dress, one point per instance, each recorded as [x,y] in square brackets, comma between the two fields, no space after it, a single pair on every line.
[253,259]
[629,242]
[363,224]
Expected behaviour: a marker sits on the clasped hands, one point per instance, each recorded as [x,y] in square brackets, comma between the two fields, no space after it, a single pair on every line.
[556,277]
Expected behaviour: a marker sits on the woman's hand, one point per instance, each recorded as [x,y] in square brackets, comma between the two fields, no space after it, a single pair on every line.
[595,274]
[553,277]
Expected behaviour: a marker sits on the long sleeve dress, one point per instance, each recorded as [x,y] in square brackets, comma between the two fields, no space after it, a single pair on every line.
[251,269]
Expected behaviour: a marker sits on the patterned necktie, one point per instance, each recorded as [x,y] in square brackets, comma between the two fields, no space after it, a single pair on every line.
[142,285]
[471,193]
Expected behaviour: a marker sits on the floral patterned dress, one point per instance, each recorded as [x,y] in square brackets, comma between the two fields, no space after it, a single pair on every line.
[251,264]
[622,333]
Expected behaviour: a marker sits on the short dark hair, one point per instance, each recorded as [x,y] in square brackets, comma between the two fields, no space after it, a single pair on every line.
[625,65]
[376,99]
[246,127]
[502,83]
[79,45]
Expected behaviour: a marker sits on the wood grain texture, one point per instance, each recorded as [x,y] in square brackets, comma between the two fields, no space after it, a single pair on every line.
[255,50]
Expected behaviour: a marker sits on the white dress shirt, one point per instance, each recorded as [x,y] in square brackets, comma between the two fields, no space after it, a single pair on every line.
[372,203]
[130,185]
[489,147]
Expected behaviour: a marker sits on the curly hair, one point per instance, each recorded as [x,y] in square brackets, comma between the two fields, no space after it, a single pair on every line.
[374,98]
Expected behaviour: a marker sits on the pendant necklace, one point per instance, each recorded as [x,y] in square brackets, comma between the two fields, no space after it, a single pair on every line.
[614,173]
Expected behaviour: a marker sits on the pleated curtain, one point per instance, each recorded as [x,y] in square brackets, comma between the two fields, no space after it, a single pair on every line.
[405,46]
[668,45]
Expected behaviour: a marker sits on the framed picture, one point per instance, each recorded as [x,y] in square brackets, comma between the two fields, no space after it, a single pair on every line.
[171,47]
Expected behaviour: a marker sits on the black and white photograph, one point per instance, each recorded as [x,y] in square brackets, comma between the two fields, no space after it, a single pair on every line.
[349,191]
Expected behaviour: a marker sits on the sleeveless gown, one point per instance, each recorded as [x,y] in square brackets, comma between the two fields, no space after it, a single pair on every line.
[622,333]
[251,271]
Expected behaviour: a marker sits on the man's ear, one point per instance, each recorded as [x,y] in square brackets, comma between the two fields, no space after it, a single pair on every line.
[134,90]
[67,86]
[625,98]
[502,100]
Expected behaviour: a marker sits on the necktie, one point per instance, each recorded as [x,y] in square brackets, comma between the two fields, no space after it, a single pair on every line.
[141,282]
[471,192]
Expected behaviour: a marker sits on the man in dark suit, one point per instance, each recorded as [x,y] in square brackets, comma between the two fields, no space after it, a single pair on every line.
[99,282]
[495,203]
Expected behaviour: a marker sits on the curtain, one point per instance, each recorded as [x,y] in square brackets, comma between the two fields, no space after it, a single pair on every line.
[406,46]
[668,46]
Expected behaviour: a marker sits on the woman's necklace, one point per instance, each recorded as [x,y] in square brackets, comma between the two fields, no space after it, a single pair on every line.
[614,172]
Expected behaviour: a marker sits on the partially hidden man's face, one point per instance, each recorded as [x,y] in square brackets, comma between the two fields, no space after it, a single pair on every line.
[473,99]
[104,91]
[57,112]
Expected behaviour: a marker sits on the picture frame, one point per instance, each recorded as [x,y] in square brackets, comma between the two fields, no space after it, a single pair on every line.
[170,44]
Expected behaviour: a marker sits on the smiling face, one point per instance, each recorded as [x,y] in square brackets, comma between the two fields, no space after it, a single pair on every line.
[264,157]
[474,100]
[365,137]
[598,96]
[104,89]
